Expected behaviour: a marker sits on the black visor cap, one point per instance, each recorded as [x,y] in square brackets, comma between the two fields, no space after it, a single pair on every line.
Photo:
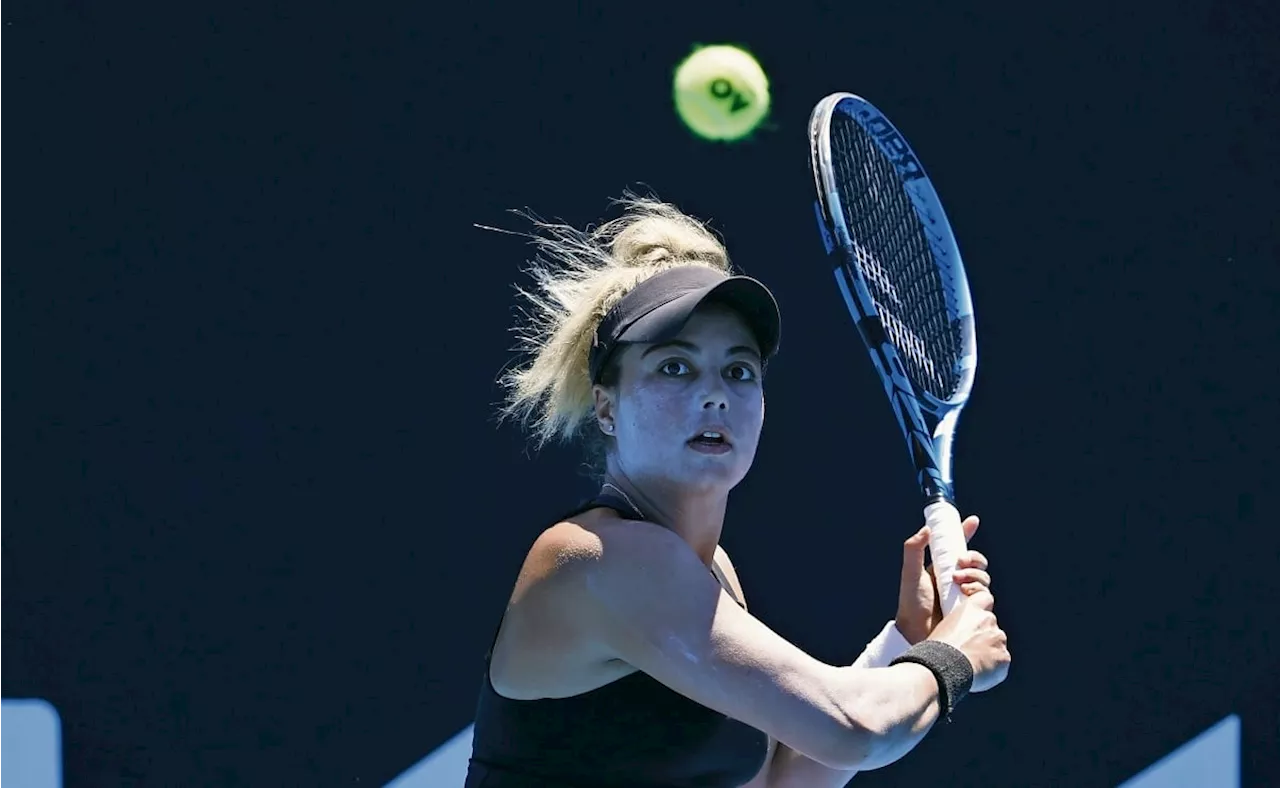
[657,309]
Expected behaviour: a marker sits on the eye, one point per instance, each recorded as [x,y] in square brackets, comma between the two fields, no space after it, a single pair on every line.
[742,373]
[674,368]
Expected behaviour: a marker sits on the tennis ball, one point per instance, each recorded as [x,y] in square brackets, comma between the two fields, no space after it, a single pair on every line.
[721,93]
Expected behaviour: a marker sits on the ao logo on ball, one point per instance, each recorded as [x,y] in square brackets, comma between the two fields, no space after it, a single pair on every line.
[723,90]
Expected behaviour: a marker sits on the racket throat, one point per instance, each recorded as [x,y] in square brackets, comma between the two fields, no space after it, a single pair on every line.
[930,445]
[943,434]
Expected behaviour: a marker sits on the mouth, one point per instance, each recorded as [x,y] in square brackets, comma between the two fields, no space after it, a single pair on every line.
[711,442]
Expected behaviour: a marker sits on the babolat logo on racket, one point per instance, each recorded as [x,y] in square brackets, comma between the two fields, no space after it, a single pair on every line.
[893,145]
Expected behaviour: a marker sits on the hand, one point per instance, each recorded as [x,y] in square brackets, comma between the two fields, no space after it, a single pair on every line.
[972,628]
[919,607]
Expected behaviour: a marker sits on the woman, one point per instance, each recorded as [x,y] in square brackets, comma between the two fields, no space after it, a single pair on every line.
[626,655]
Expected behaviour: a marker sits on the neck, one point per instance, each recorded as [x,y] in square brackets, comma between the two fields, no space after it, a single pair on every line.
[697,516]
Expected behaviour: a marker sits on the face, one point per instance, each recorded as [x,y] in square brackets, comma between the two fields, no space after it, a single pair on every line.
[668,395]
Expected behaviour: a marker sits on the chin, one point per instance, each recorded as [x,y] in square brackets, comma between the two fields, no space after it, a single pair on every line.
[713,474]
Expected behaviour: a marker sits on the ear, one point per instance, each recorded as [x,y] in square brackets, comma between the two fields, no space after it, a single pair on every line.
[603,402]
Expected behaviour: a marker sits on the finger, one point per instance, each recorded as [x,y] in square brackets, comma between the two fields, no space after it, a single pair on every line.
[972,559]
[972,576]
[969,589]
[970,526]
[913,548]
[983,599]
[913,558]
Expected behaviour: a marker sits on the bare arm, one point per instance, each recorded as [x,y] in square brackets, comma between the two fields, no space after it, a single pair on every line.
[783,766]
[636,592]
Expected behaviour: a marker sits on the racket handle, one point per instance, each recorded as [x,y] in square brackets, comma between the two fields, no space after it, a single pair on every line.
[946,545]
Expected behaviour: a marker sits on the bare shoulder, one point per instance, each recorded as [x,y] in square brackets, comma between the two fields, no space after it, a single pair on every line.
[592,542]
[548,645]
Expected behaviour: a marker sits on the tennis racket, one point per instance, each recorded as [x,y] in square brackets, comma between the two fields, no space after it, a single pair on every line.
[897,266]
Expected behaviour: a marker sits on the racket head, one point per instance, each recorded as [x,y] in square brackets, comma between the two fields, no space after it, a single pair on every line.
[879,209]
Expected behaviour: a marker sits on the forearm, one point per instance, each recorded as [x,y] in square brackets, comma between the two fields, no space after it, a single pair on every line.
[896,706]
[791,769]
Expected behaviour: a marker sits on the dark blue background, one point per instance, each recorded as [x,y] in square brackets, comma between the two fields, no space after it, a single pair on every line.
[260,521]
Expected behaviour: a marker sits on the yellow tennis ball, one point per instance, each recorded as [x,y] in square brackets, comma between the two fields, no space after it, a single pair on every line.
[721,93]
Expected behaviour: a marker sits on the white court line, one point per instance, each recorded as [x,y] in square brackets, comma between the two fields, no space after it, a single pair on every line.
[1210,759]
[30,743]
[444,767]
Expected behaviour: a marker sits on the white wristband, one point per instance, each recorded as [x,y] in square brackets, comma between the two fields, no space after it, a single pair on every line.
[887,646]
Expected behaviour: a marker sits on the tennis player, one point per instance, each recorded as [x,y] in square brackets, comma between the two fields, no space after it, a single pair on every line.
[626,655]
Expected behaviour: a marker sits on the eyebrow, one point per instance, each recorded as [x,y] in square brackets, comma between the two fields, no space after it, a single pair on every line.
[680,343]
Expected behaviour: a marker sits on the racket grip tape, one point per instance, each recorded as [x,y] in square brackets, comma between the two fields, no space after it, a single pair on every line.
[946,545]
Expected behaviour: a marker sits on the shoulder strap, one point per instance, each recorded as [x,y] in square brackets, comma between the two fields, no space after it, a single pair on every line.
[724,582]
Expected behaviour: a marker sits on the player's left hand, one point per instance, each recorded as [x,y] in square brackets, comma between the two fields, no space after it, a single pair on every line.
[919,608]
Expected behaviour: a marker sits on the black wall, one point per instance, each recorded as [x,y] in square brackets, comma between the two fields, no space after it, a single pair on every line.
[259,521]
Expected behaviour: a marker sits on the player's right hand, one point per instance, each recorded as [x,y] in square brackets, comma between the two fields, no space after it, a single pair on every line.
[972,628]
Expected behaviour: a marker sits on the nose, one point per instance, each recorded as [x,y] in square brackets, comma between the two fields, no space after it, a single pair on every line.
[715,399]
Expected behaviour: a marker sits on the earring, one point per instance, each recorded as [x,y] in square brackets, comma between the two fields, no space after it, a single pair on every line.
[608,428]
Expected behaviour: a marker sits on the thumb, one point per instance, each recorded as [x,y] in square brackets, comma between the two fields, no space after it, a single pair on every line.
[913,550]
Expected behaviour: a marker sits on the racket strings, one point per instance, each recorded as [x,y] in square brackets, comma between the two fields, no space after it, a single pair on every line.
[893,256]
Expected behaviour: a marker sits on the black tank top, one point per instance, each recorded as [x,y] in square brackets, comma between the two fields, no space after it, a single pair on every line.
[633,732]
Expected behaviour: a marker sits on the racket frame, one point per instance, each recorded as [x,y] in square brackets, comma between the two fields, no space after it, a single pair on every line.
[928,423]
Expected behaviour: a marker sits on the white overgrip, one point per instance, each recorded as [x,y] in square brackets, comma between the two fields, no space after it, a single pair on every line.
[946,545]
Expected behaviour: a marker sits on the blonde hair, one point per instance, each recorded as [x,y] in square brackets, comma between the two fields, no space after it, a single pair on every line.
[578,277]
